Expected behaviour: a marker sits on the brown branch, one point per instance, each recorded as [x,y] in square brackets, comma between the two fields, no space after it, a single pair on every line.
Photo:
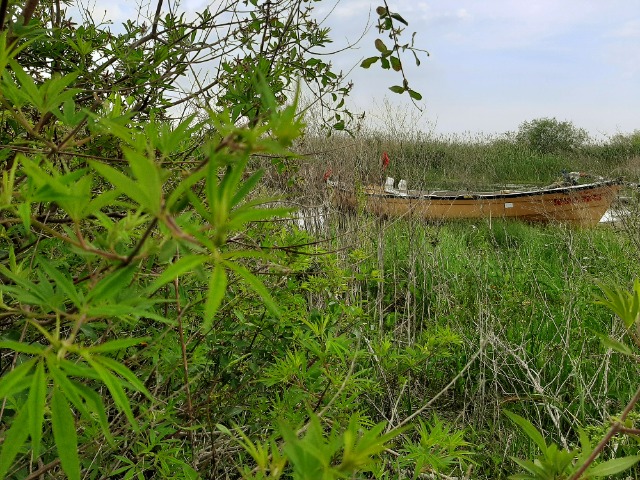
[138,246]
[27,11]
[617,427]
[185,361]
[77,243]
[3,12]
[42,470]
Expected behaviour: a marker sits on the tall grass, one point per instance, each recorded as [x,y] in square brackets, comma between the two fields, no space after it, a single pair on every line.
[524,295]
[431,161]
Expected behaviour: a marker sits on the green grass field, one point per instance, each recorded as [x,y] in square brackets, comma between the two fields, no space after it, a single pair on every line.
[521,297]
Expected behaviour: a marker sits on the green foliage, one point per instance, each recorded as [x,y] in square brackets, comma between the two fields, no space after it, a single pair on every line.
[548,135]
[625,305]
[554,462]
[317,454]
[133,241]
[390,58]
[438,449]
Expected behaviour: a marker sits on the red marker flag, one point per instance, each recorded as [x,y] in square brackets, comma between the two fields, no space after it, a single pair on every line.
[327,174]
[385,160]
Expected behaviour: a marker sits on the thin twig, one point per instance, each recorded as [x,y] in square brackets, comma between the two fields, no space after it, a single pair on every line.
[441,392]
[185,364]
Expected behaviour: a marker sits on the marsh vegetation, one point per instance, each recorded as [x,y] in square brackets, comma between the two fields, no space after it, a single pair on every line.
[164,315]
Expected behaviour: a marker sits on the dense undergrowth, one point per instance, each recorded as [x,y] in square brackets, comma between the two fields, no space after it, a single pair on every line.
[164,315]
[521,295]
[468,162]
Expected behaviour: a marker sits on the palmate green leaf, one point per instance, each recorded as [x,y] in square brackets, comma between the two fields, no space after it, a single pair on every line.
[64,434]
[527,427]
[112,284]
[23,347]
[359,448]
[94,406]
[169,138]
[148,177]
[116,124]
[185,264]
[23,296]
[119,344]
[9,50]
[62,282]
[256,285]
[125,185]
[310,456]
[215,295]
[76,204]
[68,115]
[27,288]
[27,85]
[538,472]
[114,385]
[124,372]
[246,187]
[245,215]
[77,369]
[624,304]
[61,381]
[613,466]
[56,91]
[17,379]
[35,404]
[14,439]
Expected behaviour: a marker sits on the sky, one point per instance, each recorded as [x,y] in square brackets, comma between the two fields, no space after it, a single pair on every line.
[492,64]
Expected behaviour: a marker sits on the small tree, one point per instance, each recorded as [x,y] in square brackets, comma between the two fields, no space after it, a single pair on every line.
[548,135]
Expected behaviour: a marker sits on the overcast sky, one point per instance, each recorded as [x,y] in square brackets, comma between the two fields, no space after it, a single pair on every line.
[496,63]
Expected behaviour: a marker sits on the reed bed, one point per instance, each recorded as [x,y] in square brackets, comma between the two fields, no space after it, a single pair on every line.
[523,295]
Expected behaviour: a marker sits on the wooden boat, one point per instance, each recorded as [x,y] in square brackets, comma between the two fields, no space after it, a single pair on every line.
[581,205]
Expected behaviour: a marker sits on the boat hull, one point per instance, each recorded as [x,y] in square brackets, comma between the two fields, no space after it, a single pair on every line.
[581,205]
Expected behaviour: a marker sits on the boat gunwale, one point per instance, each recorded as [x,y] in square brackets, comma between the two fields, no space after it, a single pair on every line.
[496,195]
